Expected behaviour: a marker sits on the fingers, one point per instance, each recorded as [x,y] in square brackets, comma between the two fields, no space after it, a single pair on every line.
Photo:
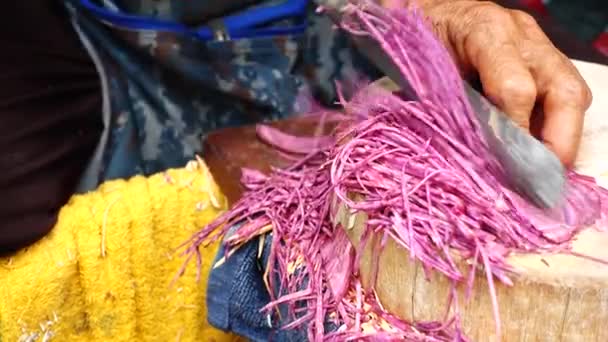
[506,79]
[562,92]
[519,68]
[563,121]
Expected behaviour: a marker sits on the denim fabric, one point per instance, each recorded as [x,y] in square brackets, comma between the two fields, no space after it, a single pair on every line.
[167,90]
[164,92]
[236,294]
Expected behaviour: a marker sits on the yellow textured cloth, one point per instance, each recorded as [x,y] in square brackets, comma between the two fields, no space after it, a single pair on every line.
[104,273]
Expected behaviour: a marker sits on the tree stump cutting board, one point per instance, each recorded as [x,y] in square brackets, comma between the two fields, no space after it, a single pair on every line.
[554,297]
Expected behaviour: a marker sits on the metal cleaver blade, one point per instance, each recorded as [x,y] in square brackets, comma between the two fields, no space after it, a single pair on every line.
[532,170]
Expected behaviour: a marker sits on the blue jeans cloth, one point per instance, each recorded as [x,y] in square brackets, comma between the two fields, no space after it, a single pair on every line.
[236,293]
[163,92]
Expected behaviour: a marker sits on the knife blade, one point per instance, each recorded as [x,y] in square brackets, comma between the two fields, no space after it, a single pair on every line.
[531,169]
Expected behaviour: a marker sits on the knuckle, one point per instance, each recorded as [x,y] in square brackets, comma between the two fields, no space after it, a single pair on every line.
[589,97]
[517,90]
[492,12]
[481,21]
[523,18]
[587,94]
[576,89]
[485,13]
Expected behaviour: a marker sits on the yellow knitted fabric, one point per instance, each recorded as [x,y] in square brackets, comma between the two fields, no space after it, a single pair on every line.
[104,272]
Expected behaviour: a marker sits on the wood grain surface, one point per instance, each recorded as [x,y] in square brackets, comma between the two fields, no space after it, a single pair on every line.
[228,150]
[554,297]
[565,301]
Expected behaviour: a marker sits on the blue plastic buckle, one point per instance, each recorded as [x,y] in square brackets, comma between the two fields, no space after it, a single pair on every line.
[241,25]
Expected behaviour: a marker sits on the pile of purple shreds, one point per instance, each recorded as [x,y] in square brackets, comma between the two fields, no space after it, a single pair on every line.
[421,172]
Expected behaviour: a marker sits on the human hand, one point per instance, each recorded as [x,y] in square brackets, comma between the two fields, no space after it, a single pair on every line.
[520,70]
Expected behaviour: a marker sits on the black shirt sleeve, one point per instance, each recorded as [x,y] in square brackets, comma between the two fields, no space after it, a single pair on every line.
[50,117]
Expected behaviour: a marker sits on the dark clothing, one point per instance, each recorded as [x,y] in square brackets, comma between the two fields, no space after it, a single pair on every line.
[49,122]
[51,98]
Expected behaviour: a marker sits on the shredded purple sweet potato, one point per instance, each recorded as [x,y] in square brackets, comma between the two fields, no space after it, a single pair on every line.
[421,172]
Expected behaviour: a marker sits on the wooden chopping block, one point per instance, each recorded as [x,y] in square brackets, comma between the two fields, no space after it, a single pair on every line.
[534,310]
[554,297]
[229,150]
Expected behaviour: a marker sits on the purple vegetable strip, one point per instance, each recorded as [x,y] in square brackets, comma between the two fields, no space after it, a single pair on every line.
[421,173]
[293,144]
